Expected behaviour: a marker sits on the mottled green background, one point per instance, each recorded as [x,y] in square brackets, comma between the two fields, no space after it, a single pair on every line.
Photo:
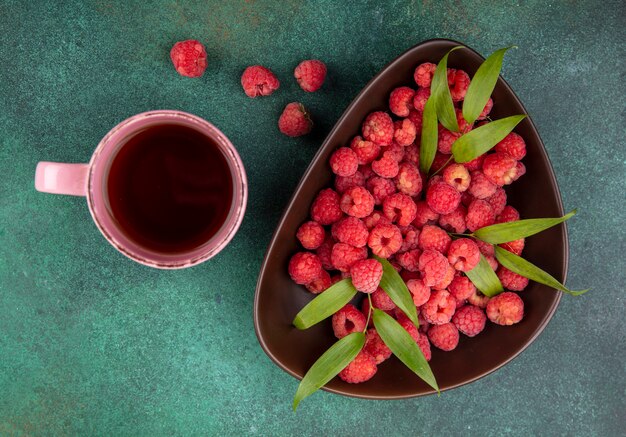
[94,344]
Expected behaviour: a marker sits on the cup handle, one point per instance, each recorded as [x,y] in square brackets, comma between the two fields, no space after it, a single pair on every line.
[60,178]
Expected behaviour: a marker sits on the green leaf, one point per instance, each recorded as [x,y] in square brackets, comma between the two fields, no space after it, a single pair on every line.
[325,304]
[478,141]
[440,92]
[428,146]
[511,231]
[519,265]
[333,361]
[485,279]
[403,346]
[482,85]
[396,289]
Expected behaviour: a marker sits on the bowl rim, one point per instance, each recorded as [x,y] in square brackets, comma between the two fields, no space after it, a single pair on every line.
[305,175]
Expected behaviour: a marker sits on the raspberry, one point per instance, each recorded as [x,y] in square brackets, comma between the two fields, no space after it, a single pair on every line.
[442,198]
[445,139]
[357,202]
[444,336]
[386,166]
[325,209]
[376,347]
[399,208]
[457,176]
[324,251]
[424,345]
[189,58]
[486,110]
[407,276]
[433,237]
[458,89]
[474,164]
[478,299]
[421,96]
[295,120]
[493,263]
[412,154]
[466,198]
[463,254]
[419,291]
[405,132]
[505,309]
[378,128]
[497,200]
[481,187]
[385,240]
[500,168]
[479,215]
[470,320]
[408,326]
[400,101]
[461,288]
[515,246]
[310,75]
[433,180]
[382,301]
[440,162]
[367,171]
[513,145]
[366,151]
[520,170]
[409,180]
[424,215]
[311,235]
[320,284]
[366,275]
[258,81]
[511,280]
[361,369]
[464,126]
[344,162]
[409,260]
[455,221]
[485,248]
[305,267]
[433,267]
[350,230]
[343,256]
[342,183]
[508,214]
[376,217]
[423,74]
[447,279]
[416,118]
[348,320]
[410,239]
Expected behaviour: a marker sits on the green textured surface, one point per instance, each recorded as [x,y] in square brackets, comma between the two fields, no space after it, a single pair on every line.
[92,343]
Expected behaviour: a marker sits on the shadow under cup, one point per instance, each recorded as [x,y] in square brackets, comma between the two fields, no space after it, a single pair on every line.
[148,159]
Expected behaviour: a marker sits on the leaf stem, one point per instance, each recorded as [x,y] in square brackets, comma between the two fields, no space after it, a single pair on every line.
[369,314]
[443,166]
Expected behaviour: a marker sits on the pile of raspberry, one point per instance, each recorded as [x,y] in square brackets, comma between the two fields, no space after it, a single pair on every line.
[381,204]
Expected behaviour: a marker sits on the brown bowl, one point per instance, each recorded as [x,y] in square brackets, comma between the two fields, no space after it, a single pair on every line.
[278,299]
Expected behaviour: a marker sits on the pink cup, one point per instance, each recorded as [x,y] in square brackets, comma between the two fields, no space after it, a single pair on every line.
[90,180]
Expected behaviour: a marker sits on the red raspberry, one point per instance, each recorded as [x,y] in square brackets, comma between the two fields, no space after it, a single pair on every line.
[189,58]
[311,235]
[455,221]
[508,214]
[386,166]
[478,299]
[366,275]
[460,304]
[513,145]
[343,256]
[485,248]
[461,288]
[445,139]
[409,180]
[424,345]
[423,74]
[407,276]
[515,246]
[510,280]
[305,267]
[357,202]
[295,120]
[433,237]
[493,263]
[447,279]
[385,240]
[497,200]
[361,369]
[500,168]
[342,183]
[405,132]
[486,110]
[505,309]
[481,187]
[479,215]
[366,151]
[433,180]
[350,230]
[409,260]
[464,126]
[520,170]
[440,162]
[258,81]
[442,198]
[320,284]
[458,89]
[376,347]
[376,217]
[424,215]
[433,267]
[444,337]
[474,164]
[406,323]
[400,101]
[421,96]
[378,128]
[419,291]
[416,118]
[394,151]
[310,75]
[410,239]
[325,209]
[367,171]
[463,254]
[400,209]
[457,176]
[324,251]
[466,198]
[382,301]
[412,154]
[344,162]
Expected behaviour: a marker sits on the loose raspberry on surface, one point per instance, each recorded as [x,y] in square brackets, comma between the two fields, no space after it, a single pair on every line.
[444,336]
[305,267]
[505,309]
[343,256]
[344,162]
[385,240]
[325,209]
[378,128]
[310,75]
[400,209]
[479,215]
[257,80]
[424,215]
[366,151]
[357,202]
[343,183]
[442,198]
[366,275]
[404,132]
[500,168]
[320,284]
[512,145]
[497,200]
[361,369]
[457,176]
[409,260]
[459,86]
[409,180]
[511,280]
[463,254]
[445,139]
[508,214]
[311,235]
[433,266]
[433,237]
[423,74]
[420,99]
[515,246]
[376,347]
[350,230]
[469,320]
[386,166]
[481,187]
[400,101]
[419,291]
[461,288]
[348,320]
[295,120]
[455,221]
[189,58]
[382,301]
